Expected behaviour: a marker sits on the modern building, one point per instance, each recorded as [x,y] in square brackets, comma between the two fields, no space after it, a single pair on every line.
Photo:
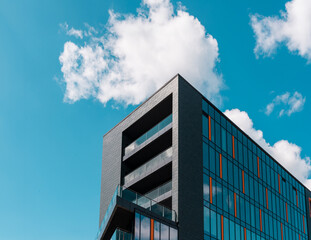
[178,168]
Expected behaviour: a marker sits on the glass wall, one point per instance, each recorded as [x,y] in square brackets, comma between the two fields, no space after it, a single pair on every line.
[150,229]
[247,195]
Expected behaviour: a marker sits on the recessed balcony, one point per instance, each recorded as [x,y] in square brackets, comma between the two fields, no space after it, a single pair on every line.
[158,130]
[149,167]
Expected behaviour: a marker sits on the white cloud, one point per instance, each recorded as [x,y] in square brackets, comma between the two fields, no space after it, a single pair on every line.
[72,32]
[293,28]
[286,153]
[137,54]
[290,103]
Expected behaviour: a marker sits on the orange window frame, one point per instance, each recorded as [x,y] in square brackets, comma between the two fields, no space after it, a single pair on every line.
[282,230]
[245,234]
[152,230]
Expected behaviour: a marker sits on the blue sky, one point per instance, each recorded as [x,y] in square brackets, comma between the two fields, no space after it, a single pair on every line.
[51,147]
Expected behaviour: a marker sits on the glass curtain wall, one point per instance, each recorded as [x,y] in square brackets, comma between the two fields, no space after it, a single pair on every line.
[247,195]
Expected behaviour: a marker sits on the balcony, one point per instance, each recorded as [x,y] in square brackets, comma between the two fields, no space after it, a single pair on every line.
[123,202]
[149,167]
[148,135]
[121,235]
[161,193]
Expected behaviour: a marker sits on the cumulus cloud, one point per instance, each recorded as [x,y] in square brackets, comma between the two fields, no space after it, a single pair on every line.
[89,31]
[292,27]
[286,153]
[136,54]
[290,103]
[72,31]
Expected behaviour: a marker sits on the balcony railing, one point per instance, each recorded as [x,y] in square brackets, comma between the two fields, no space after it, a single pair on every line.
[151,164]
[139,200]
[121,235]
[165,188]
[148,134]
[108,213]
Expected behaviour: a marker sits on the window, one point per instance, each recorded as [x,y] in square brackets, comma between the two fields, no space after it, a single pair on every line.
[205,156]
[212,160]
[206,188]
[213,224]
[173,234]
[145,228]
[233,148]
[223,139]
[156,234]
[205,126]
[224,168]
[137,226]
[207,221]
[164,232]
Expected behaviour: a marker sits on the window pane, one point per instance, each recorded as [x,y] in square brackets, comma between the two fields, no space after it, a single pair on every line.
[213,130]
[212,160]
[145,228]
[223,139]
[206,221]
[205,126]
[224,168]
[137,225]
[173,234]
[205,156]
[206,187]
[156,230]
[213,224]
[164,232]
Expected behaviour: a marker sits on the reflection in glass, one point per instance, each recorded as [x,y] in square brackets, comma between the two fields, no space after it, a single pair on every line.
[145,228]
[164,232]
[137,226]
[173,234]
[156,235]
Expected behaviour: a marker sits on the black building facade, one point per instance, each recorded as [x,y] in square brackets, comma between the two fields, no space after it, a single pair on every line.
[177,168]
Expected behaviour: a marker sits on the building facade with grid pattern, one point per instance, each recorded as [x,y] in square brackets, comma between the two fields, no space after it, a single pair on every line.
[178,168]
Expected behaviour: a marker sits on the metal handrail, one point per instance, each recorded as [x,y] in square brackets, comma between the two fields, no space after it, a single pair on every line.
[148,134]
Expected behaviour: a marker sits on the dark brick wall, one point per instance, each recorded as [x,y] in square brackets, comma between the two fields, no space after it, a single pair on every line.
[112,143]
[190,163]
[187,166]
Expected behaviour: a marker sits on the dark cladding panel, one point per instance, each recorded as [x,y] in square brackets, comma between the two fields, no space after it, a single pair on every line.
[190,173]
[164,99]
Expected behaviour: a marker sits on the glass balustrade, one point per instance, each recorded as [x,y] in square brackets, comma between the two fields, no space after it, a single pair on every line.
[151,164]
[121,235]
[148,203]
[138,199]
[108,213]
[148,134]
[166,187]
